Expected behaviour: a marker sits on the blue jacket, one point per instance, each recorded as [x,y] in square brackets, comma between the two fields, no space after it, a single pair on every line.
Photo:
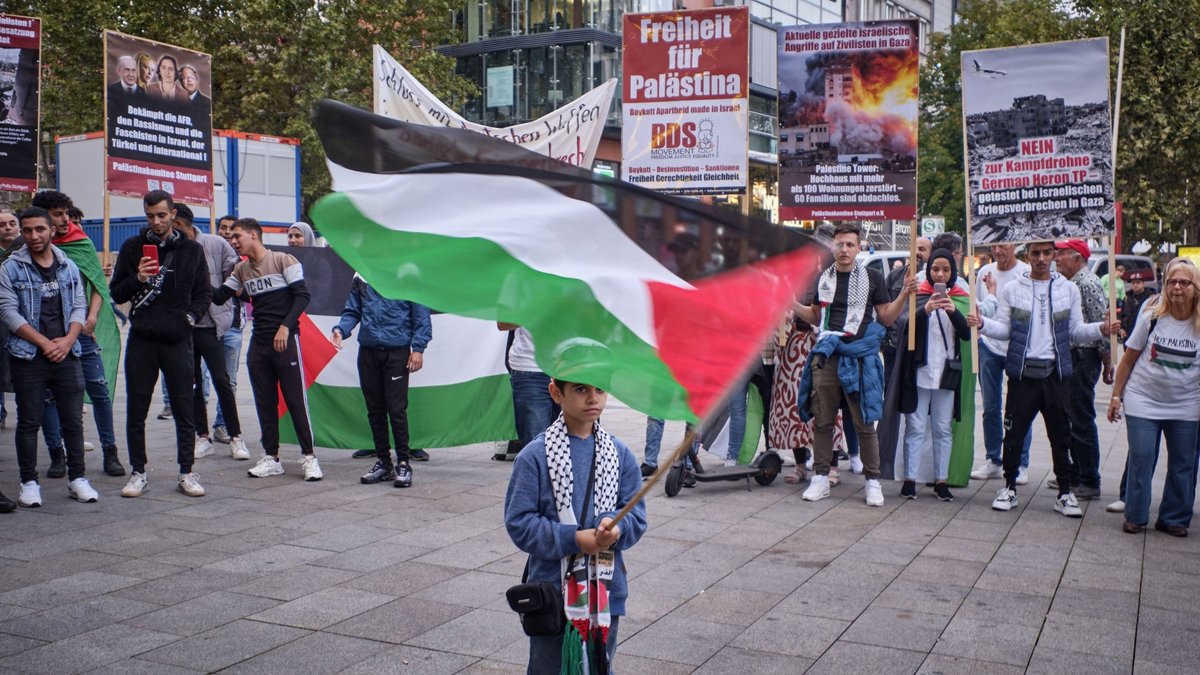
[21,299]
[531,516]
[859,370]
[386,324]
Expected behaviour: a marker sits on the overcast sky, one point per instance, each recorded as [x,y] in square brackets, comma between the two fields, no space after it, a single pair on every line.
[1076,71]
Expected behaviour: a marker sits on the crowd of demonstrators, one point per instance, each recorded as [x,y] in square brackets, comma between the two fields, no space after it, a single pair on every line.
[1041,316]
[1158,388]
[392,339]
[274,282]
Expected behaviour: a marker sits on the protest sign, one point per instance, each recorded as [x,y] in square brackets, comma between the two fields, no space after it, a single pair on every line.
[570,133]
[848,121]
[1038,142]
[20,57]
[686,105]
[158,119]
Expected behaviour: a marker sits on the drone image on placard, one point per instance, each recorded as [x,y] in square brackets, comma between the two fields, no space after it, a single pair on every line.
[990,72]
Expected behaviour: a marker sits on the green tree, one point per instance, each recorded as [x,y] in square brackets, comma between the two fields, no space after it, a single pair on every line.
[272,59]
[983,24]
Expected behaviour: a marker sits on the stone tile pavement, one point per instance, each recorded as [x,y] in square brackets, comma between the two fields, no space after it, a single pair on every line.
[278,575]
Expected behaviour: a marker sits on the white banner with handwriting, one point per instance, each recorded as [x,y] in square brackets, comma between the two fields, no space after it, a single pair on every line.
[571,133]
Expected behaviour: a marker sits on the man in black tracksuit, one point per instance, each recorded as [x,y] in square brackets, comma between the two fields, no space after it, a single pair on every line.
[167,296]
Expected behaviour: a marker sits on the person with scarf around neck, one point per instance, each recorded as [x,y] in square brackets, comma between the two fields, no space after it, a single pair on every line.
[546,517]
[168,297]
[853,308]
[940,329]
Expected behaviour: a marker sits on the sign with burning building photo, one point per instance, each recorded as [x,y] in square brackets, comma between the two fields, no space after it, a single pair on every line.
[848,121]
[1038,142]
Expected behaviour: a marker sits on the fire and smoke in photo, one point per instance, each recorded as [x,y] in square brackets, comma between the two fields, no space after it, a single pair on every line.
[848,109]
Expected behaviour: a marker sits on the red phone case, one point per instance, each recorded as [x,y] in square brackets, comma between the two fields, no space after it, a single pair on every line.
[150,251]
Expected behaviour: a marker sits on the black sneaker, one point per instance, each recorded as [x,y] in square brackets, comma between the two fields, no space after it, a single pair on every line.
[648,470]
[403,476]
[363,454]
[909,490]
[418,455]
[843,456]
[6,504]
[378,473]
[943,492]
[58,463]
[689,479]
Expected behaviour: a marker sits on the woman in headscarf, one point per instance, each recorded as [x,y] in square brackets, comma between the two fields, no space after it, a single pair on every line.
[301,234]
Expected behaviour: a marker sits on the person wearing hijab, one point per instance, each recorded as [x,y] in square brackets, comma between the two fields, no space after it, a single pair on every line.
[301,234]
[930,374]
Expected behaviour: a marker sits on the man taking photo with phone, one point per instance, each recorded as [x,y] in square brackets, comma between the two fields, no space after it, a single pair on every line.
[165,278]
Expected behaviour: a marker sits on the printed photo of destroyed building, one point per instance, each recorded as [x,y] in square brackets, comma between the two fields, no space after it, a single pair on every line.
[1038,141]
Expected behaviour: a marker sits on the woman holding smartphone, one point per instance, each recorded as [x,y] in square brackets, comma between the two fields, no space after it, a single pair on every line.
[930,374]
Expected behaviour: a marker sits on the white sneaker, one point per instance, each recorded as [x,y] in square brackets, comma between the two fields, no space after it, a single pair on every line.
[1022,476]
[81,491]
[1006,500]
[135,486]
[204,447]
[31,495]
[88,447]
[818,489]
[237,448]
[189,484]
[1116,507]
[1068,506]
[987,471]
[856,464]
[730,462]
[312,469]
[874,493]
[267,466]
[220,435]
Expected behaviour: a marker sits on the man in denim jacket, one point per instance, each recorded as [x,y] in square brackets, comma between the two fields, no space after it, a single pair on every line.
[43,306]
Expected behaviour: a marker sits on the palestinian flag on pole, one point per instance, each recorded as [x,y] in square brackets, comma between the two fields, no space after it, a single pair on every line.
[479,227]
[461,396]
[79,248]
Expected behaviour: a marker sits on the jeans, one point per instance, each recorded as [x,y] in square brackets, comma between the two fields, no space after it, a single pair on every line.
[144,358]
[761,378]
[654,434]
[1085,440]
[30,380]
[935,407]
[232,339]
[545,653]
[1179,488]
[991,382]
[534,408]
[1026,398]
[96,385]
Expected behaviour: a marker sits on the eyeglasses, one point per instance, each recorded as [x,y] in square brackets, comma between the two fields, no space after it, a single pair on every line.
[1179,282]
[1045,253]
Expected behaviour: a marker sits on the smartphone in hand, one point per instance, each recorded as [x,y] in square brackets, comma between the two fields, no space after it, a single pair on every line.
[939,290]
[151,251]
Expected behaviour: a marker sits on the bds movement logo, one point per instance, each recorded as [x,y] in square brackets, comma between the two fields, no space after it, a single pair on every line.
[683,140]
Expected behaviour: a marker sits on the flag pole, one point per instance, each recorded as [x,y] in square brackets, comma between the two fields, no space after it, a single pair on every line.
[972,281]
[1113,338]
[912,269]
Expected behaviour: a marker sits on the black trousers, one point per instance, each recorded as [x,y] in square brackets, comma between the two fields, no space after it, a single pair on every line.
[144,359]
[1085,438]
[30,380]
[272,372]
[206,345]
[1025,399]
[383,374]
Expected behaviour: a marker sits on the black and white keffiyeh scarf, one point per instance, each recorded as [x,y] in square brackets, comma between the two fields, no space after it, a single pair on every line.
[586,584]
[857,296]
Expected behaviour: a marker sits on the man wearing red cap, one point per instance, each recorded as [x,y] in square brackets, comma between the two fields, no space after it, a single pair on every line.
[1086,362]
[1041,317]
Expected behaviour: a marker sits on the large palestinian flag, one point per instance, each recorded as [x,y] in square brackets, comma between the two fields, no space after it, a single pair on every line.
[475,226]
[461,396]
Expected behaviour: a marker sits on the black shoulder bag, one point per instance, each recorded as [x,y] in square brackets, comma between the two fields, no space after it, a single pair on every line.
[952,373]
[540,603]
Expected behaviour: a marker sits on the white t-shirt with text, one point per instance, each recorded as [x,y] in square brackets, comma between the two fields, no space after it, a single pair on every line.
[1041,325]
[1165,382]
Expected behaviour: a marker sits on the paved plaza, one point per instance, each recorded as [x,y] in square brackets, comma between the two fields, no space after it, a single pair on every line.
[277,575]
